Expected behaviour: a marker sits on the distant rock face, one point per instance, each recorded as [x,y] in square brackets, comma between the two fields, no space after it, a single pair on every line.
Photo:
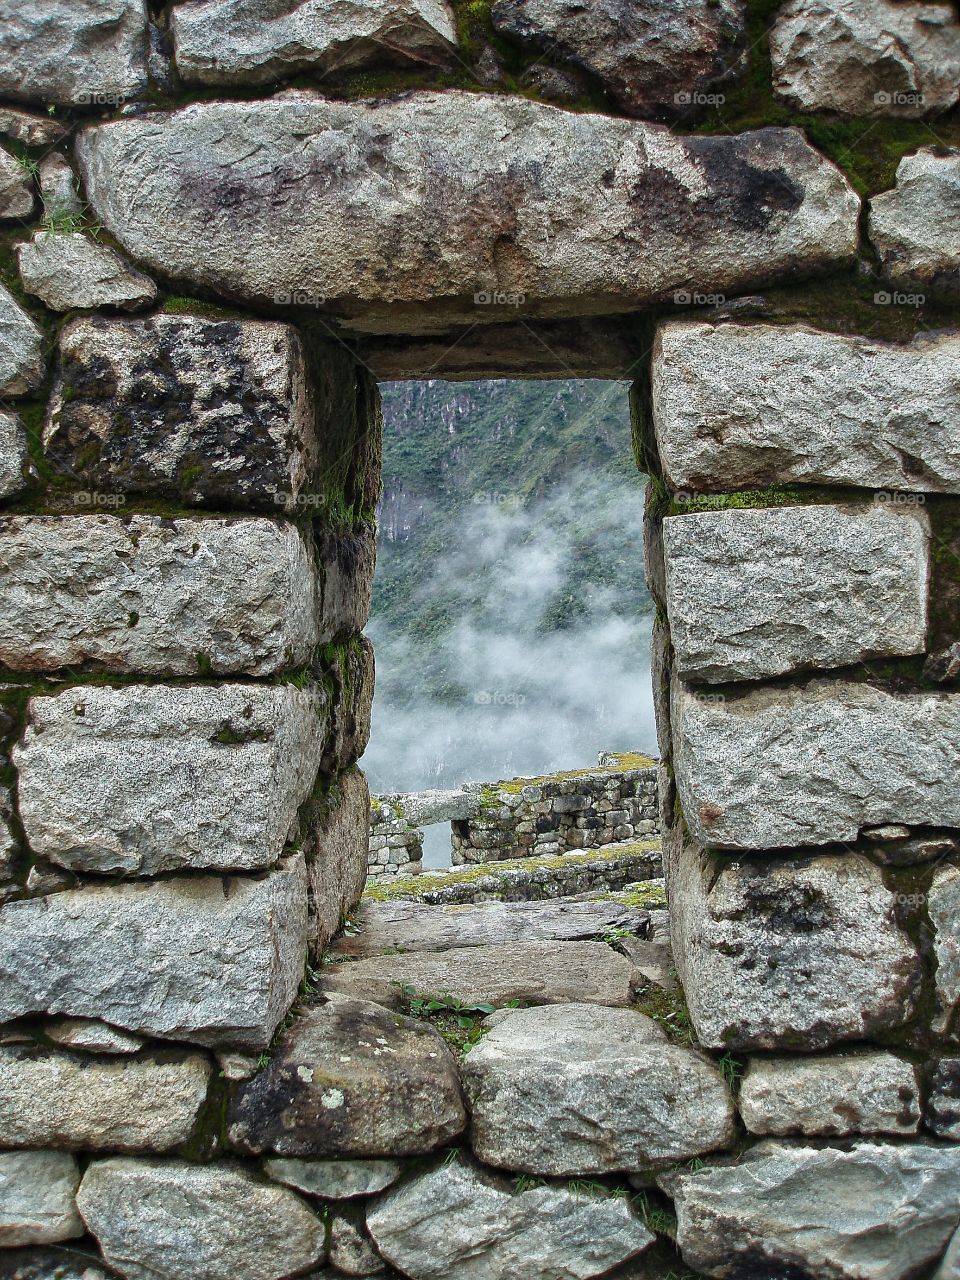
[158,1220]
[257,41]
[21,348]
[654,58]
[69,272]
[867,57]
[37,1198]
[875,1212]
[458,1223]
[16,191]
[470,208]
[915,227]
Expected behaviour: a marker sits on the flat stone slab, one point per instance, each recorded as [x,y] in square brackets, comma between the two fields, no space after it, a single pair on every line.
[151,778]
[22,363]
[535,972]
[915,227]
[335,1179]
[418,240]
[759,593]
[205,959]
[813,763]
[741,406]
[38,1198]
[414,926]
[67,272]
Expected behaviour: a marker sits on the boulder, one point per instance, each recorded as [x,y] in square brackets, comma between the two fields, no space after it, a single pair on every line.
[761,593]
[338,840]
[740,406]
[915,227]
[812,763]
[257,42]
[467,208]
[16,189]
[151,778]
[877,1211]
[71,272]
[830,1096]
[38,1198]
[943,1101]
[205,959]
[456,1222]
[49,1098]
[335,1179]
[794,954]
[655,58]
[577,1089]
[22,362]
[166,1220]
[350,1079]
[866,57]
[14,456]
[943,905]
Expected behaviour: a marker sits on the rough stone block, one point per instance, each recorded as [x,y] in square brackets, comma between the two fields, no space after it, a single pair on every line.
[798,954]
[16,189]
[352,674]
[943,1102]
[915,227]
[760,593]
[337,847]
[38,1198]
[204,959]
[741,406]
[348,558]
[943,904]
[335,1179]
[70,272]
[152,778]
[22,364]
[14,457]
[811,764]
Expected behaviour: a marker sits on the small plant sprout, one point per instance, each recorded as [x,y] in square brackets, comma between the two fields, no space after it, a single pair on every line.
[730,1069]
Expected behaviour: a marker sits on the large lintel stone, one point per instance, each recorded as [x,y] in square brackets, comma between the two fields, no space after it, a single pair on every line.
[760,593]
[151,778]
[813,763]
[736,406]
[412,214]
[205,959]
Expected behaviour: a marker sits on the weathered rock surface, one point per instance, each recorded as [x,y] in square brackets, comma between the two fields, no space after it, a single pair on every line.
[812,763]
[830,1096]
[154,595]
[73,51]
[759,593]
[351,1251]
[352,672]
[49,1098]
[949,1268]
[202,959]
[14,456]
[458,1223]
[91,1036]
[567,1090]
[164,1220]
[867,57]
[532,972]
[16,190]
[655,58]
[943,1102]
[875,1212]
[58,187]
[349,559]
[338,841]
[31,130]
[335,1179]
[789,954]
[201,411]
[915,227]
[255,42]
[475,205]
[68,272]
[351,1079]
[152,778]
[21,348]
[37,1198]
[943,904]
[737,406]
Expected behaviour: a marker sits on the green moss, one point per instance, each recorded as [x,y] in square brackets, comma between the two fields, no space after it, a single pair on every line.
[489,796]
[669,1009]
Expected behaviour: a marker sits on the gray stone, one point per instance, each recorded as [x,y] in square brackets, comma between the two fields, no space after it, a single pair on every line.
[31,130]
[37,1198]
[866,57]
[156,595]
[196,410]
[943,1101]
[73,52]
[830,1096]
[348,559]
[49,1098]
[335,1179]
[91,1036]
[654,57]
[943,905]
[949,1268]
[337,841]
[152,778]
[789,954]
[22,363]
[458,1223]
[205,959]
[568,1090]
[350,1250]
[464,168]
[72,272]
[915,227]
[876,1212]
[257,42]
[59,187]
[532,972]
[741,406]
[760,593]
[16,189]
[14,456]
[166,1220]
[351,1079]
[812,763]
